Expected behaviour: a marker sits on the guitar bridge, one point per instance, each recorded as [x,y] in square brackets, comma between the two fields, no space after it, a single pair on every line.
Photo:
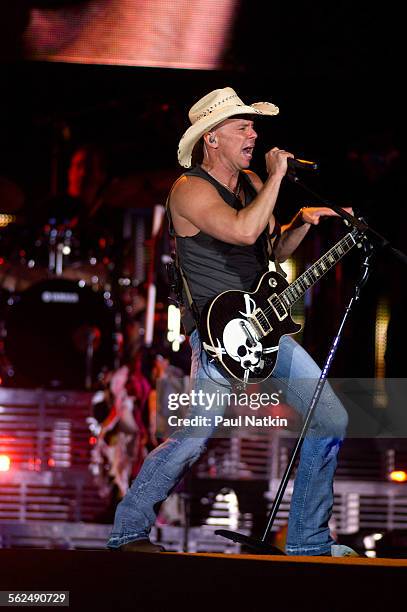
[261,322]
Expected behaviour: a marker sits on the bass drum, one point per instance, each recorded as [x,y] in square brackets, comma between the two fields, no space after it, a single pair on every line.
[57,331]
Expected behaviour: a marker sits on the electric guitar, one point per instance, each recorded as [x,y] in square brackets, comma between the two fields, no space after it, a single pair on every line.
[241,330]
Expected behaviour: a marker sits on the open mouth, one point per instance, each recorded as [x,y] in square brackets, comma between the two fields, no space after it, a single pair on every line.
[248,152]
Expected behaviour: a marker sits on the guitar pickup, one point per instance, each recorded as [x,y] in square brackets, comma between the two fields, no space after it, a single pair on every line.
[260,321]
[278,307]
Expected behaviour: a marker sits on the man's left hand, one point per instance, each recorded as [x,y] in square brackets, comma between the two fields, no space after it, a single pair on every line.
[312,215]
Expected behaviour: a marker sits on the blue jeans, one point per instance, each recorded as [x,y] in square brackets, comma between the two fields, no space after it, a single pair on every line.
[312,500]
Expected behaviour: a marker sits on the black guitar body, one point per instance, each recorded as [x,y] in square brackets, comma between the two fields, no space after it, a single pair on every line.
[242,330]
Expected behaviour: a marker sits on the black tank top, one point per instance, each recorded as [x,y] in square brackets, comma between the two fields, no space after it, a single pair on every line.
[212,266]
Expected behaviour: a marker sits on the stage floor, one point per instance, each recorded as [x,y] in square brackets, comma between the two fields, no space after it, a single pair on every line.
[107,580]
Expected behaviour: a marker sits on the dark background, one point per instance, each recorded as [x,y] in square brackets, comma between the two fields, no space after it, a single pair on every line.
[332,68]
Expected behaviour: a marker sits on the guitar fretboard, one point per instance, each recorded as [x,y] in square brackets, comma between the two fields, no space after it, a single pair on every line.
[312,275]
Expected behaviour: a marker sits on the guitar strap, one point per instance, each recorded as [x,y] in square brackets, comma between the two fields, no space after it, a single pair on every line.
[192,306]
[278,268]
[276,264]
[269,239]
[179,272]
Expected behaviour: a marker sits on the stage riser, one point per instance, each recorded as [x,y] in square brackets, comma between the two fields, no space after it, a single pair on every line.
[80,536]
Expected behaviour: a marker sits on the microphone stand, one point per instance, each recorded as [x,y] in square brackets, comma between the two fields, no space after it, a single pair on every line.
[359,224]
[262,546]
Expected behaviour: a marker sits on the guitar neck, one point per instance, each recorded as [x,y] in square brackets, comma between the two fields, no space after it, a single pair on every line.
[312,275]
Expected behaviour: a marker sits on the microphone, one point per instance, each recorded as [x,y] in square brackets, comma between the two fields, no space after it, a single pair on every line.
[301,164]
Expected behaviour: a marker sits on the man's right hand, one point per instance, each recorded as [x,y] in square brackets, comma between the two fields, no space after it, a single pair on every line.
[276,162]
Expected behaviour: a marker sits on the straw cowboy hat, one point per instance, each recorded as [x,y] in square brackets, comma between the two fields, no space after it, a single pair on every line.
[212,109]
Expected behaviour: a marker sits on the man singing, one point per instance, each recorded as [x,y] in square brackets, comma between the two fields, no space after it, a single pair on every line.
[222,217]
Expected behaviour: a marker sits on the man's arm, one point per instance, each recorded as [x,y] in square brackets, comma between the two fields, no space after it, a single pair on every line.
[293,233]
[196,205]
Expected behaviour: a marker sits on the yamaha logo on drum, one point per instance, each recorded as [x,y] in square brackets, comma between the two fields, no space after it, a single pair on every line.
[60,297]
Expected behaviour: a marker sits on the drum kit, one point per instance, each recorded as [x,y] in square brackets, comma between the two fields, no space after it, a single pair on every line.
[58,315]
[62,300]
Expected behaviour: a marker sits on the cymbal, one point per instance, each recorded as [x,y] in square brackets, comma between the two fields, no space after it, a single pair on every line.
[11,196]
[143,190]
